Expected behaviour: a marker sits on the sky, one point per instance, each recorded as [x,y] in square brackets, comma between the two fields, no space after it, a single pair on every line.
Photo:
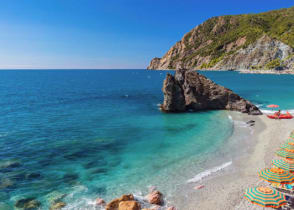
[104,34]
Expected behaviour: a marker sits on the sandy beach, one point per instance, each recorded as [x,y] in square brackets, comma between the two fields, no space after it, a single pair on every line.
[225,190]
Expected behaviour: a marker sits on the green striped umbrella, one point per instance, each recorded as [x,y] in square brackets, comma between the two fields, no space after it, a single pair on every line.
[265,197]
[287,165]
[276,175]
[290,140]
[285,154]
[288,146]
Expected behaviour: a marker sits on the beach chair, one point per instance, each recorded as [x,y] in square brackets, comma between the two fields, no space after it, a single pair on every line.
[285,188]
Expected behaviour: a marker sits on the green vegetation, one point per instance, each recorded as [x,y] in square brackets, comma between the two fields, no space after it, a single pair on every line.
[225,30]
[274,64]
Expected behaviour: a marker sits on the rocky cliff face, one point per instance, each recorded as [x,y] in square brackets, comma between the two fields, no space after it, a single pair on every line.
[189,90]
[258,41]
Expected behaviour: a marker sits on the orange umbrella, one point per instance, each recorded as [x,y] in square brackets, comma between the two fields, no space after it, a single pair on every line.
[273,106]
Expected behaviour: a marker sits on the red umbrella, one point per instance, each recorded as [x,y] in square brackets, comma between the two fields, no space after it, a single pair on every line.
[273,106]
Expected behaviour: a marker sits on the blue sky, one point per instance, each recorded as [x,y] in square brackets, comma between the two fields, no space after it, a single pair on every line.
[104,33]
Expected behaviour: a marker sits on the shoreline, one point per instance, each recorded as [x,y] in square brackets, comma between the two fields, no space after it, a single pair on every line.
[225,189]
[241,71]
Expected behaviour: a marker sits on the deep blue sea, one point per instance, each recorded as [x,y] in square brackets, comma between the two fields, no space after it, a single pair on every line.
[90,134]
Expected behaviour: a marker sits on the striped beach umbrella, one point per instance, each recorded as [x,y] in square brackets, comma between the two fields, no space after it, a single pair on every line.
[288,146]
[287,165]
[272,106]
[276,175]
[290,140]
[285,154]
[265,197]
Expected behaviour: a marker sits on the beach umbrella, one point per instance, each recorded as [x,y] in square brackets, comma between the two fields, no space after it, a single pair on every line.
[272,106]
[285,154]
[276,175]
[265,197]
[288,146]
[290,140]
[286,164]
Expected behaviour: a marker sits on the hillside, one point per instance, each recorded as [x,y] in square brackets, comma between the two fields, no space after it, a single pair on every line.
[251,41]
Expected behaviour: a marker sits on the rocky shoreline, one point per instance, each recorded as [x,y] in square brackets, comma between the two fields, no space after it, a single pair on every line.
[241,71]
[152,201]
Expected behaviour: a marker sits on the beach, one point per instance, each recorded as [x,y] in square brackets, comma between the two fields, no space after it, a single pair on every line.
[226,189]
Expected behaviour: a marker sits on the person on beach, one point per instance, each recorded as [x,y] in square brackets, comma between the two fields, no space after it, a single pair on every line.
[278,113]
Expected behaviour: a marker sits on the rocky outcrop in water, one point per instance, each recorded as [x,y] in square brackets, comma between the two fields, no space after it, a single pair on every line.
[189,90]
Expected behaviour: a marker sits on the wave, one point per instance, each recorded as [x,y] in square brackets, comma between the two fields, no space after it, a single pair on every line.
[3,134]
[208,172]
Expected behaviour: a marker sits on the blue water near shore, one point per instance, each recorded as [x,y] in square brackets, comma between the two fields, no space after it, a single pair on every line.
[92,134]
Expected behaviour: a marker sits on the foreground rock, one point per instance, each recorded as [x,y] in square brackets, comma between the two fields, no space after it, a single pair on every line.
[114,204]
[189,90]
[28,203]
[155,197]
[129,205]
[57,206]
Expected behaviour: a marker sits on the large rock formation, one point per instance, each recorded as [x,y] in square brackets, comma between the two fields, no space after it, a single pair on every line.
[254,41]
[189,90]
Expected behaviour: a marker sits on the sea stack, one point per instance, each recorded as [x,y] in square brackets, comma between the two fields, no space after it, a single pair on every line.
[191,91]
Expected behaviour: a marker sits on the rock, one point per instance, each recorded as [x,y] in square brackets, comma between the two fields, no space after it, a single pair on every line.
[250,122]
[129,205]
[189,90]
[55,197]
[171,208]
[33,176]
[8,165]
[174,98]
[114,204]
[155,197]
[99,201]
[28,204]
[57,206]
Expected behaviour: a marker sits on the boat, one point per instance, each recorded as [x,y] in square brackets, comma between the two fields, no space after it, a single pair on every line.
[281,116]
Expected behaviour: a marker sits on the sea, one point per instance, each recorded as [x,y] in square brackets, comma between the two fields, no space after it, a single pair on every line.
[82,134]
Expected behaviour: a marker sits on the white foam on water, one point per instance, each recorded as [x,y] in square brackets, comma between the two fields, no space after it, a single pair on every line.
[209,172]
[230,117]
[3,134]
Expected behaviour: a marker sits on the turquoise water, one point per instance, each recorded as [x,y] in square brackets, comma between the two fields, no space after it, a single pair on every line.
[92,134]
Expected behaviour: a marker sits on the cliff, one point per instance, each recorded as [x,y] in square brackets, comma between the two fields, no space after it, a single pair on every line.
[251,41]
[189,90]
